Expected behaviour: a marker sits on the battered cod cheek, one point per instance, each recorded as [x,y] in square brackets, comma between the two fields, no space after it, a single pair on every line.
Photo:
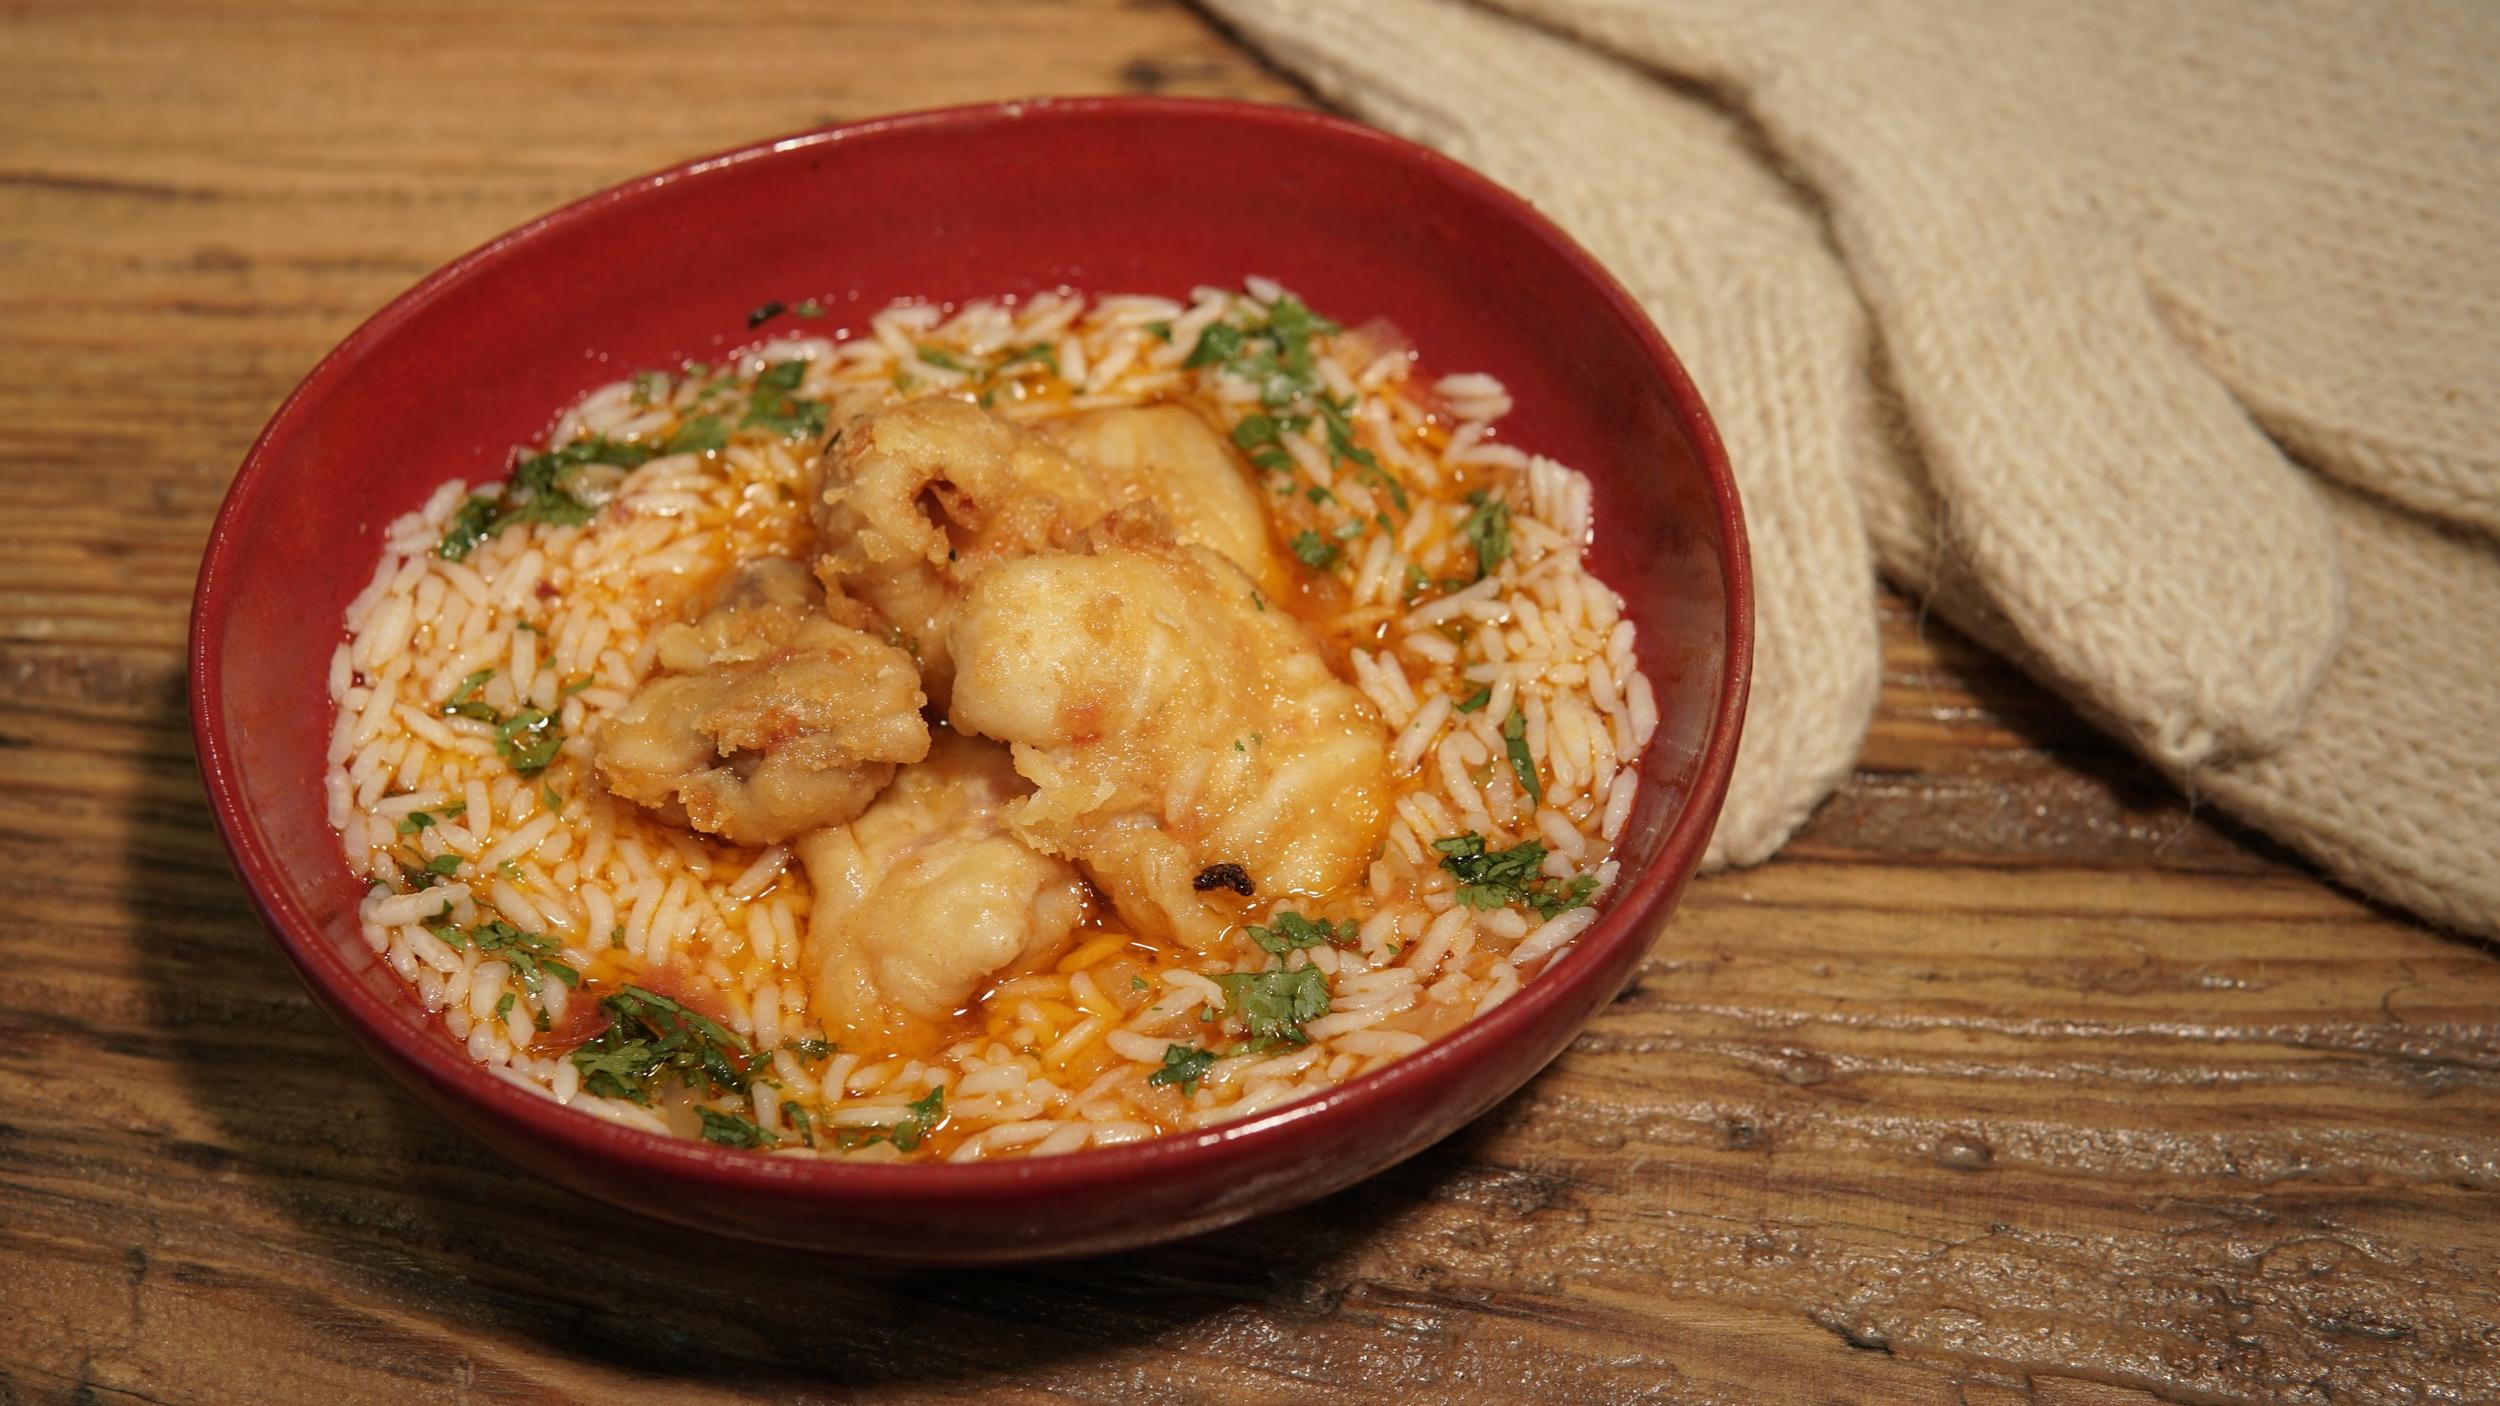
[917,499]
[1169,456]
[776,720]
[1173,725]
[927,896]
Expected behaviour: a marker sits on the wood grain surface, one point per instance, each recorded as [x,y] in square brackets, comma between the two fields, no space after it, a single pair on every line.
[2013,1080]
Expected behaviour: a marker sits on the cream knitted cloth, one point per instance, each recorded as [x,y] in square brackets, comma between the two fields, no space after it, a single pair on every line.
[2048,310]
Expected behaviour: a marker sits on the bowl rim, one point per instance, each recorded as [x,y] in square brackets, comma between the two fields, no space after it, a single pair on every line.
[1628,917]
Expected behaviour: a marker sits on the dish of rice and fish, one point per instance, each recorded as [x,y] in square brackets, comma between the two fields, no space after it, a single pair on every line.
[1021,726]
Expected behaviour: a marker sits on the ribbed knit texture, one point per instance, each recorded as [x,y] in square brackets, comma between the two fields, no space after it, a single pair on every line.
[2045,300]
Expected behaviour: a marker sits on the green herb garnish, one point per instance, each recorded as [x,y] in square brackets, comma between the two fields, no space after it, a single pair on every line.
[797,1114]
[650,1038]
[1523,766]
[529,740]
[1273,1004]
[698,435]
[1220,342]
[927,1112]
[1474,702]
[1040,353]
[535,493]
[1288,931]
[730,1130]
[532,956]
[1184,1066]
[771,406]
[1487,529]
[1315,551]
[1510,877]
[924,1115]
[464,700]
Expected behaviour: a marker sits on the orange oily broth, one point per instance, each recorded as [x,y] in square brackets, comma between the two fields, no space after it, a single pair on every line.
[1057,1012]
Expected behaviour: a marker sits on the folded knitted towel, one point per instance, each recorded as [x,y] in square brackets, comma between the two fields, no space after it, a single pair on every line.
[2049,311]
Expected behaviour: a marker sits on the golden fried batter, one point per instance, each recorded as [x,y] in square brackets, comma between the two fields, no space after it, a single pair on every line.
[1173,722]
[919,498]
[1170,456]
[927,895]
[772,718]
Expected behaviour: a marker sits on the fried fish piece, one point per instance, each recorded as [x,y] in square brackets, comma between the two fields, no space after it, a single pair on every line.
[1168,455]
[1176,725]
[771,717]
[927,895]
[920,497]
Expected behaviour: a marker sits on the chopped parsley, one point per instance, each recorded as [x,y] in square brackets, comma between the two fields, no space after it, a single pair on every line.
[766,313]
[1315,551]
[1262,437]
[809,1048]
[797,1114]
[698,435]
[1160,331]
[532,956]
[650,1038]
[1523,766]
[554,802]
[1288,931]
[1042,354]
[1183,1066]
[1487,529]
[1219,343]
[939,356]
[809,309]
[731,1130]
[535,492]
[772,407]
[529,740]
[1474,702]
[921,1118]
[1274,1004]
[464,700]
[1510,878]
[1274,354]
[443,864]
[926,1112]
[414,822]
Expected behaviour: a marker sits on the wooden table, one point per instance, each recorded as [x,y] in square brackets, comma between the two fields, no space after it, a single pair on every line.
[2012,1080]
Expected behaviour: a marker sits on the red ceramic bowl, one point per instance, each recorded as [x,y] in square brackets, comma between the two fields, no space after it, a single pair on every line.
[1127,194]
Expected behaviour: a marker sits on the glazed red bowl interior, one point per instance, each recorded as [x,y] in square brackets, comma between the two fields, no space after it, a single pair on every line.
[1101,195]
